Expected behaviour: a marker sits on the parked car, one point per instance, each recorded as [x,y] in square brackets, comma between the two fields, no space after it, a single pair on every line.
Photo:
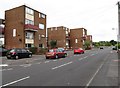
[3,51]
[114,48]
[78,51]
[55,53]
[101,47]
[61,49]
[17,53]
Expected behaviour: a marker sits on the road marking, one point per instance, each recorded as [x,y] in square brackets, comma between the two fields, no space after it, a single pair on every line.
[94,75]
[15,81]
[80,58]
[10,69]
[85,57]
[26,65]
[38,63]
[6,69]
[92,54]
[3,65]
[116,60]
[54,60]
[46,61]
[62,65]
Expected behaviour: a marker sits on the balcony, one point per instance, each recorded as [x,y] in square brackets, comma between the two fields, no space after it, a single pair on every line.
[83,37]
[68,37]
[31,27]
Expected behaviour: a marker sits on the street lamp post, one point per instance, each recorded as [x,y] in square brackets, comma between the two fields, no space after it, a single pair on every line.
[117,36]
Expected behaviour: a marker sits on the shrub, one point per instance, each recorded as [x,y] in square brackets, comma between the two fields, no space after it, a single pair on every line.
[42,50]
[33,50]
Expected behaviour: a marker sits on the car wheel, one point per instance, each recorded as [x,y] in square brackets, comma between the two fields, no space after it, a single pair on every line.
[30,56]
[16,57]
[56,56]
[65,55]
[47,57]
[8,58]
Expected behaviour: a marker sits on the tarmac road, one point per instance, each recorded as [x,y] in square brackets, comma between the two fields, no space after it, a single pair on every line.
[94,68]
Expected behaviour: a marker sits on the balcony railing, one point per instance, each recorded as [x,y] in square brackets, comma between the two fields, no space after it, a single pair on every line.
[31,27]
[68,37]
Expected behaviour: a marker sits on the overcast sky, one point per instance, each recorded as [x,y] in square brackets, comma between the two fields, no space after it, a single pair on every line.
[97,16]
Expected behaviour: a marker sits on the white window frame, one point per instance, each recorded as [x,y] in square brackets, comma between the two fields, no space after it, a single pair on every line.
[14,32]
[27,21]
[31,35]
[76,40]
[29,11]
[41,15]
[41,26]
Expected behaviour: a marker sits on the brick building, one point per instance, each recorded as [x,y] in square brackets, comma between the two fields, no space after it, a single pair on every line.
[25,27]
[77,37]
[60,34]
[89,38]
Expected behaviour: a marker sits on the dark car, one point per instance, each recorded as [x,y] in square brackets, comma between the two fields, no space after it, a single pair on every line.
[78,51]
[55,53]
[114,48]
[18,53]
[3,51]
[101,47]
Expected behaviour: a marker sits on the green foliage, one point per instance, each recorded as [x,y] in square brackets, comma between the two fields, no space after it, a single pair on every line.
[103,43]
[117,45]
[42,50]
[113,42]
[96,44]
[53,43]
[33,50]
[87,45]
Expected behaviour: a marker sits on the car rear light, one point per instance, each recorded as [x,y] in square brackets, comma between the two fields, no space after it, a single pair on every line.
[13,53]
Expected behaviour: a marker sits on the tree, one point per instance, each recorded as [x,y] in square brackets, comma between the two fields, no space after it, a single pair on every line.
[87,45]
[113,42]
[53,43]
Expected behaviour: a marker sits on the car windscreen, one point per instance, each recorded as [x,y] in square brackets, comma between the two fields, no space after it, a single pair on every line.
[51,50]
[13,50]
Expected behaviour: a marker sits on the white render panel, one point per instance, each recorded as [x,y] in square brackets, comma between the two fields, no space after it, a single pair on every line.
[30,17]
[30,41]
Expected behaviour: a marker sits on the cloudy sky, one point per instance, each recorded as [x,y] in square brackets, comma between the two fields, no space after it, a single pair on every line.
[99,17]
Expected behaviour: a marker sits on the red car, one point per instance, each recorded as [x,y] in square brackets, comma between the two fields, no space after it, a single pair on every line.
[55,53]
[78,51]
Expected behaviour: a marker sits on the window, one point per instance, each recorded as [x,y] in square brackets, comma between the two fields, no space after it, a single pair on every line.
[41,15]
[29,35]
[29,11]
[66,32]
[41,45]
[42,36]
[41,26]
[14,32]
[24,51]
[76,40]
[29,45]
[27,21]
